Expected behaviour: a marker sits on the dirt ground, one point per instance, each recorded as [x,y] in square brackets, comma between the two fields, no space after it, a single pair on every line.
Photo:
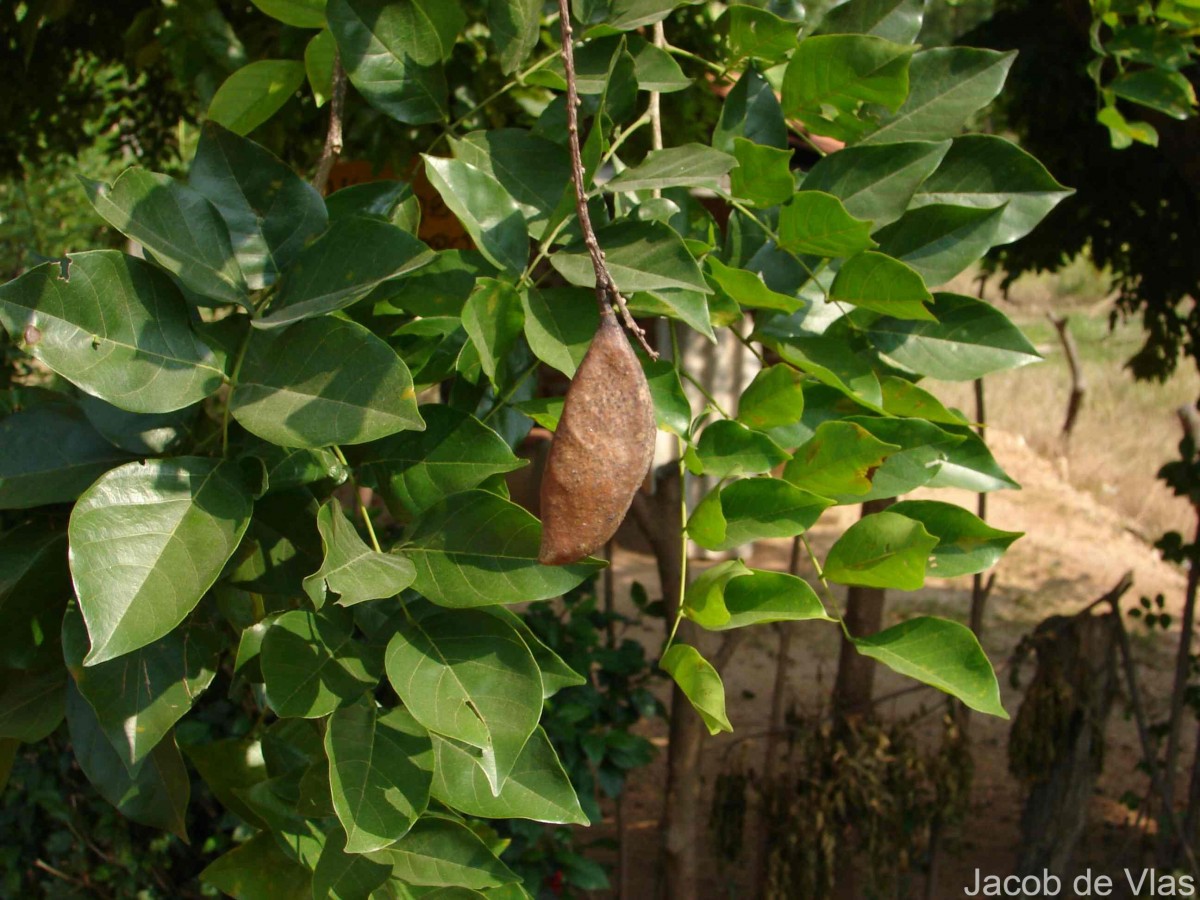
[1074,550]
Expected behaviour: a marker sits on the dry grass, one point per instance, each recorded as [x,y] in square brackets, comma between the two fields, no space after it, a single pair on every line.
[1126,429]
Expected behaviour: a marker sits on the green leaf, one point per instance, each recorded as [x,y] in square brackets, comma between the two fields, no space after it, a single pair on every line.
[730,595]
[139,697]
[877,282]
[319,56]
[753,509]
[763,176]
[894,20]
[156,796]
[838,459]
[493,319]
[832,360]
[748,288]
[817,223]
[49,454]
[312,665]
[34,586]
[254,93]
[486,210]
[775,397]
[940,653]
[469,676]
[345,876]
[641,256]
[352,569]
[626,15]
[535,171]
[179,226]
[31,703]
[289,468]
[545,411]
[689,165]
[1169,93]
[1122,132]
[700,683]
[147,540]
[903,398]
[443,852]
[966,544]
[687,306]
[454,453]
[751,111]
[117,328]
[270,211]
[883,550]
[514,27]
[923,448]
[830,75]
[320,382]
[559,325]
[758,34]
[672,411]
[940,242]
[438,289]
[537,788]
[729,448]
[655,68]
[281,545]
[970,339]
[949,85]
[380,767]
[877,182]
[259,870]
[380,52]
[971,467]
[142,434]
[227,767]
[477,549]
[987,172]
[556,674]
[297,13]
[342,266]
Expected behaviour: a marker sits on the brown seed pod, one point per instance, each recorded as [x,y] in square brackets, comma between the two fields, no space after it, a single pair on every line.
[601,451]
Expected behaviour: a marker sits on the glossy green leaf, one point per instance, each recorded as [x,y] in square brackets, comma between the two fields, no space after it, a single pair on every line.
[486,210]
[298,13]
[346,876]
[877,182]
[139,697]
[986,171]
[545,411]
[156,796]
[142,434]
[689,165]
[477,549]
[559,325]
[493,319]
[882,550]
[672,410]
[680,304]
[320,382]
[838,459]
[751,111]
[753,509]
[537,788]
[700,683]
[50,454]
[380,51]
[948,86]
[288,468]
[352,569]
[730,595]
[970,339]
[748,288]
[971,466]
[259,870]
[514,27]
[34,586]
[454,453]
[535,171]
[380,767]
[758,34]
[270,211]
[903,398]
[556,674]
[923,448]
[1169,93]
[469,676]
[319,56]
[966,544]
[228,766]
[939,241]
[655,68]
[832,360]
[31,703]
[347,262]
[312,664]
[117,328]
[147,540]
[729,448]
[817,223]
[626,15]
[775,397]
[443,852]
[641,256]
[877,282]
[893,20]
[179,226]
[281,545]
[941,653]
[763,176]
[254,93]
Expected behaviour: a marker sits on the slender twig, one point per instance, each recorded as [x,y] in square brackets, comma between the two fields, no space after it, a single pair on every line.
[333,137]
[655,111]
[606,289]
